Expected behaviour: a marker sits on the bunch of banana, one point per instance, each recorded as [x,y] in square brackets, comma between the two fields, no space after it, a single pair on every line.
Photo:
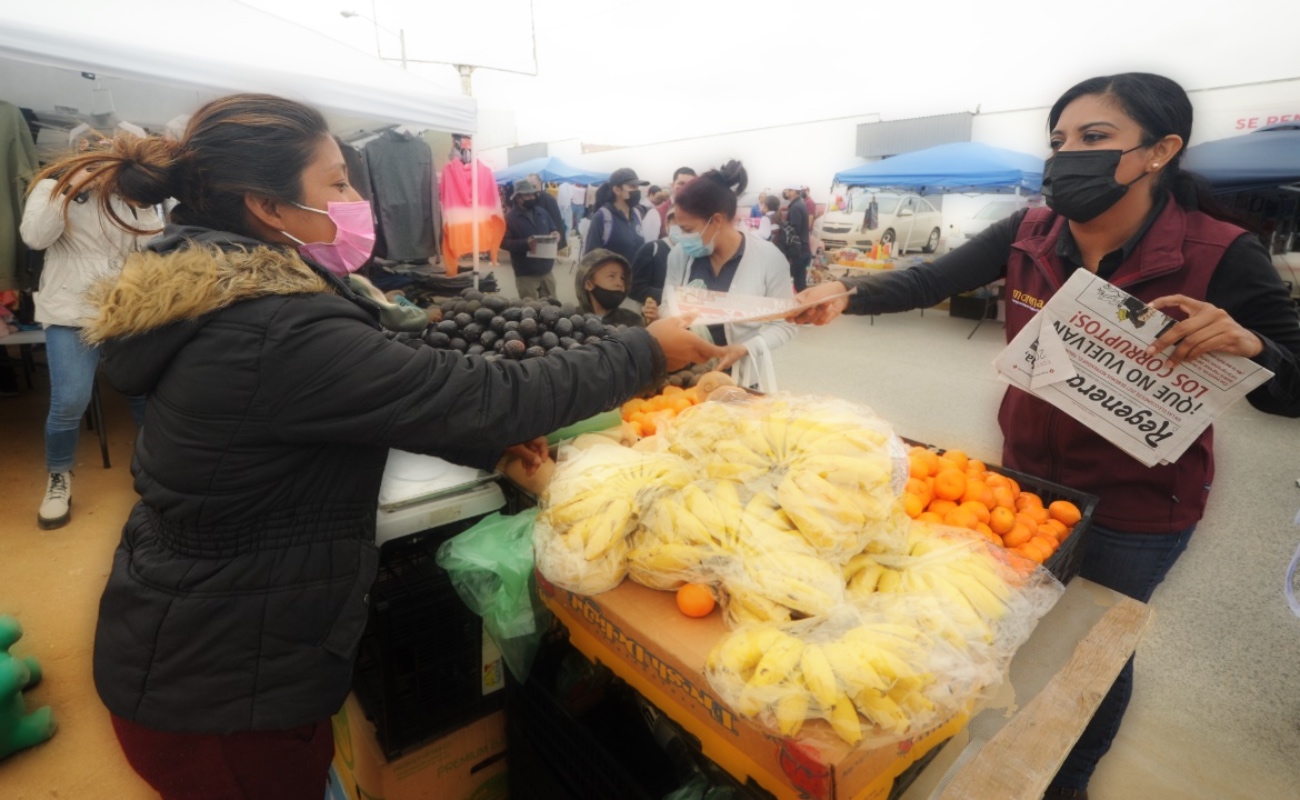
[876,669]
[563,560]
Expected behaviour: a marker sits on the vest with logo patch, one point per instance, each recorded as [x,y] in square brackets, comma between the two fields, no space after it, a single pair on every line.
[1177,255]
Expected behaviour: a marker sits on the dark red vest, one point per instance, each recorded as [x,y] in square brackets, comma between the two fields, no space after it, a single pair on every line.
[1177,255]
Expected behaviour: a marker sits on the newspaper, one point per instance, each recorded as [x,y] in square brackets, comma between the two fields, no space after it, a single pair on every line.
[722,308]
[1085,353]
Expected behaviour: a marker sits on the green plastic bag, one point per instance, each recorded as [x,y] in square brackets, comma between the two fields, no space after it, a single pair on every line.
[491,566]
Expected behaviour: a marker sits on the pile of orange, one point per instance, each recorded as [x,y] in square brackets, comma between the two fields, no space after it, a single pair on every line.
[954,489]
[646,415]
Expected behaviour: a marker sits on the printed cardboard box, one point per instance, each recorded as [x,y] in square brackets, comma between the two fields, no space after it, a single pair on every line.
[641,636]
[466,764]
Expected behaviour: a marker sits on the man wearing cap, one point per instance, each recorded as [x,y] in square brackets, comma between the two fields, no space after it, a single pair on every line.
[551,206]
[525,222]
[616,223]
[799,253]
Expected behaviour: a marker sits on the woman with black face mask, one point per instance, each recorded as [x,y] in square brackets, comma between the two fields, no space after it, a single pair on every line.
[1118,205]
[616,222]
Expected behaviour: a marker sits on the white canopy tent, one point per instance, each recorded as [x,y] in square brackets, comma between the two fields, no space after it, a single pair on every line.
[146,61]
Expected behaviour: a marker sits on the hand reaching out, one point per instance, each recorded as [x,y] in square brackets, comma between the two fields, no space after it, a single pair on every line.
[1207,329]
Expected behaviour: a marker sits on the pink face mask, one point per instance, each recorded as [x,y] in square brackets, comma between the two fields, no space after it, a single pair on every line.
[353,243]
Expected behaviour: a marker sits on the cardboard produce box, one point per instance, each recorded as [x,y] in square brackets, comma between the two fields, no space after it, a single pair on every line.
[641,636]
[466,764]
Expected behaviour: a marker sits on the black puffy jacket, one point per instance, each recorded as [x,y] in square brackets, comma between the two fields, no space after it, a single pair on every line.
[238,593]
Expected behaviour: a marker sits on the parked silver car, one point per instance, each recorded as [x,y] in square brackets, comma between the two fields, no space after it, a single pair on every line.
[904,221]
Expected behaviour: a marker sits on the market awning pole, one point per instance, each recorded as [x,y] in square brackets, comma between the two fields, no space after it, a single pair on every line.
[473,183]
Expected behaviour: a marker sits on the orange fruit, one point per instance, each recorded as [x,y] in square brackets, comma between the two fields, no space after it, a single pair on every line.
[919,488]
[980,510]
[1001,520]
[926,461]
[946,464]
[950,484]
[1065,512]
[957,457]
[1028,521]
[671,390]
[1047,545]
[632,406]
[913,505]
[975,465]
[695,600]
[1017,536]
[680,403]
[941,507]
[1056,528]
[931,517]
[960,518]
[1038,513]
[978,492]
[1002,497]
[985,531]
[994,480]
[1014,485]
[1028,499]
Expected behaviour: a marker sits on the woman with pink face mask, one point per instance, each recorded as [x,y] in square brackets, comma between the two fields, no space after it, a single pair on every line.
[239,592]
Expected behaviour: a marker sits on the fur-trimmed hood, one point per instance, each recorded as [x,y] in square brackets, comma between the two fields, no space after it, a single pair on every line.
[165,295]
[189,272]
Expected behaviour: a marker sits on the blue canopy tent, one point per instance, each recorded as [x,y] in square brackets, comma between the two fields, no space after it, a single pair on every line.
[1263,159]
[550,169]
[960,167]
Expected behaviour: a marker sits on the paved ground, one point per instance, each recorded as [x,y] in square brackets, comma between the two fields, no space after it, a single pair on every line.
[1216,709]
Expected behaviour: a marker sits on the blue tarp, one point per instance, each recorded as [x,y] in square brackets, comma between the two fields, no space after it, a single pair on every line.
[957,167]
[1263,159]
[550,169]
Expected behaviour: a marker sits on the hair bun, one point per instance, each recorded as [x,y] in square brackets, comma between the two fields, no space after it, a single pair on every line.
[149,167]
[733,176]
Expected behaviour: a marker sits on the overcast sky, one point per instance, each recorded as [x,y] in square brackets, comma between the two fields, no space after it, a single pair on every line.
[619,72]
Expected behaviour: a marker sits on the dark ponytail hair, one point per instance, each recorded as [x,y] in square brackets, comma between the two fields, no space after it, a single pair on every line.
[234,146]
[1160,107]
[604,194]
[714,192]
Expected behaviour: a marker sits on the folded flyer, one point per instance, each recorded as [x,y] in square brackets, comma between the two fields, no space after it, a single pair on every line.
[1085,353]
[721,308]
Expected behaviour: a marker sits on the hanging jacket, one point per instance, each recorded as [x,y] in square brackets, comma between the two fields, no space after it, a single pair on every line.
[461,210]
[1178,255]
[80,249]
[18,163]
[238,593]
[405,190]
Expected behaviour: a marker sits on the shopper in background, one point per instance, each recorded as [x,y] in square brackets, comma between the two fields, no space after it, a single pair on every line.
[760,208]
[238,595]
[714,254]
[798,247]
[772,222]
[86,237]
[577,205]
[810,204]
[551,206]
[650,268]
[1120,206]
[616,222]
[651,221]
[601,285]
[525,223]
[681,177]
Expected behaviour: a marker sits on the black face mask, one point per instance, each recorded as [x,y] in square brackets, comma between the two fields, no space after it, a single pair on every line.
[634,198]
[1080,185]
[528,205]
[609,299]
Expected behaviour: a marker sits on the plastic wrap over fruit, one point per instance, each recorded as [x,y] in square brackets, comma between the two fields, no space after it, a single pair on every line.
[594,502]
[893,662]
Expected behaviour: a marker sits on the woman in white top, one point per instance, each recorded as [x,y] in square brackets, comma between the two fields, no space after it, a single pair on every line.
[82,247]
[713,253]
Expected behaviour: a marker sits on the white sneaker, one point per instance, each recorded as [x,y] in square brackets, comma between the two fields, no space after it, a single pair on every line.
[56,508]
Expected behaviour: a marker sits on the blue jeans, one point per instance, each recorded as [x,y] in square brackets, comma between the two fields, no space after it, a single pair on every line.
[72,375]
[1135,564]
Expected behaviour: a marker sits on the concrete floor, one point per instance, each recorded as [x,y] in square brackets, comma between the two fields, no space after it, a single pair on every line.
[1215,714]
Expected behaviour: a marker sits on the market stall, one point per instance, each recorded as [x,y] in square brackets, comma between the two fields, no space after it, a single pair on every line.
[1257,176]
[956,167]
[550,170]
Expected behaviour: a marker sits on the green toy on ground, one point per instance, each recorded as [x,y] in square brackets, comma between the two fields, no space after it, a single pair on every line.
[18,729]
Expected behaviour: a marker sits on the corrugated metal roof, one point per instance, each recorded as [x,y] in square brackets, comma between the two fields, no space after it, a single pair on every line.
[879,139]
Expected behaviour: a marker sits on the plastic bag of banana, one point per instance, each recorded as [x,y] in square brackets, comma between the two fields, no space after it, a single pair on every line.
[893,663]
[593,503]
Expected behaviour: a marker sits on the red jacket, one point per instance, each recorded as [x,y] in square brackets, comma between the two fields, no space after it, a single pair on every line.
[1177,255]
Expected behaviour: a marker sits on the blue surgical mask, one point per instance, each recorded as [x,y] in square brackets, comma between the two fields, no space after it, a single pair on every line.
[693,244]
[674,234]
